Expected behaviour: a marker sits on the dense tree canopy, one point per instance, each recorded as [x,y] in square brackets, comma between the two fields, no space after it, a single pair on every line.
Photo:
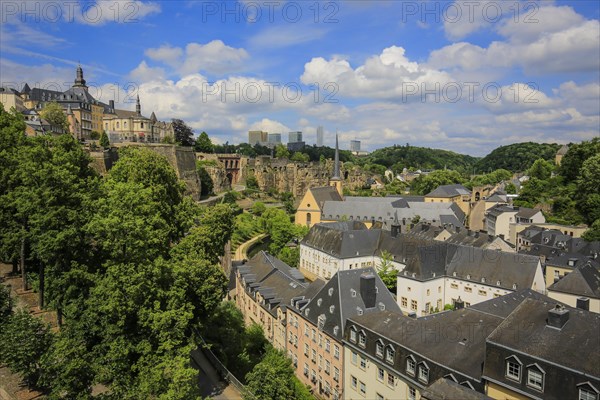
[184,135]
[203,144]
[517,157]
[427,183]
[54,114]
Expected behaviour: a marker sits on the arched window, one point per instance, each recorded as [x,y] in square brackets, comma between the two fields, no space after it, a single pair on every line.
[390,353]
[117,124]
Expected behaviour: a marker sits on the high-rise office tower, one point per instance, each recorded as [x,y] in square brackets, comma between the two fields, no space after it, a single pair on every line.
[320,136]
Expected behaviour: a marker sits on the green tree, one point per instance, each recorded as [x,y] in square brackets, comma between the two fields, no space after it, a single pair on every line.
[593,233]
[387,272]
[571,163]
[290,256]
[203,144]
[6,304]
[104,142]
[183,133]
[541,169]
[258,208]
[252,183]
[273,378]
[168,140]
[54,114]
[427,183]
[510,188]
[281,151]
[23,341]
[300,157]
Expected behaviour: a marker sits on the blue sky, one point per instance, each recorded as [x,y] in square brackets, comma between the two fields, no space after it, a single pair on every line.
[466,76]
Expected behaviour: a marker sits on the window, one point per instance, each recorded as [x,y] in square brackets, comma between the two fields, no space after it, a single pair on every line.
[363,362]
[354,358]
[410,366]
[482,293]
[306,370]
[586,393]
[336,351]
[306,349]
[389,354]
[306,330]
[439,289]
[336,374]
[428,292]
[413,305]
[327,345]
[354,381]
[380,374]
[423,373]
[535,378]
[314,355]
[454,286]
[362,339]
[327,367]
[378,396]
[379,349]
[391,379]
[412,393]
[513,369]
[468,289]
[353,334]
[404,302]
[363,388]
[408,288]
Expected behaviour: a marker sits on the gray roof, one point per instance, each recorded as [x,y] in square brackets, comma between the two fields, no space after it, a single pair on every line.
[447,389]
[325,193]
[527,213]
[464,349]
[384,209]
[498,268]
[449,191]
[500,209]
[343,239]
[276,281]
[341,298]
[583,281]
[574,346]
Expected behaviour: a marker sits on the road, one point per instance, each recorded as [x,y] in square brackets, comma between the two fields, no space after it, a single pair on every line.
[241,252]
[209,382]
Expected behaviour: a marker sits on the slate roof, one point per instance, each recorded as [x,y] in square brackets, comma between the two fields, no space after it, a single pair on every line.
[471,263]
[276,281]
[464,349]
[341,298]
[384,209]
[341,240]
[449,191]
[527,213]
[582,281]
[574,346]
[447,389]
[325,193]
[499,209]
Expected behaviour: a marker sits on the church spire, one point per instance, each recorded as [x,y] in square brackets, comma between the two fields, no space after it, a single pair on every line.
[138,106]
[336,165]
[336,180]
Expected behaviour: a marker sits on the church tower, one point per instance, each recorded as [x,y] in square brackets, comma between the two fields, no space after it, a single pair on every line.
[138,107]
[79,81]
[336,180]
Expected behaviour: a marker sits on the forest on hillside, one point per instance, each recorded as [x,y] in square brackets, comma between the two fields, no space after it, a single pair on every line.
[517,157]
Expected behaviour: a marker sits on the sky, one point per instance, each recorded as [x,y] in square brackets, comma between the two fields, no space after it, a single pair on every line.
[466,76]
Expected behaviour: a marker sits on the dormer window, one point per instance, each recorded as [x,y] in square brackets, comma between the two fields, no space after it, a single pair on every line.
[411,365]
[379,349]
[497,283]
[424,373]
[482,280]
[513,368]
[330,292]
[587,391]
[353,292]
[319,302]
[514,286]
[362,339]
[331,309]
[535,377]
[353,334]
[468,276]
[390,353]
[454,274]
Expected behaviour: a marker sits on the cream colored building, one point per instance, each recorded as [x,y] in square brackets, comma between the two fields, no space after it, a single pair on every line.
[11,98]
[451,194]
[132,126]
[581,285]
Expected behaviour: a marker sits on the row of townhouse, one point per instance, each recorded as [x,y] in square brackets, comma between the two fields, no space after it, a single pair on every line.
[432,273]
[348,339]
[518,346]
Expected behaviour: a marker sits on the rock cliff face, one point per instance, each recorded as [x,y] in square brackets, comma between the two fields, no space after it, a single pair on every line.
[218,175]
[295,177]
[182,159]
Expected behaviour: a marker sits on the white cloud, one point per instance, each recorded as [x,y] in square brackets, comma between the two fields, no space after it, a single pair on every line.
[271,126]
[102,12]
[517,97]
[144,73]
[390,75]
[284,36]
[213,57]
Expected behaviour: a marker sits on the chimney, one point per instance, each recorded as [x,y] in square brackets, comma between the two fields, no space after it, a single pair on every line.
[558,317]
[457,229]
[395,230]
[368,290]
[459,304]
[111,104]
[583,303]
